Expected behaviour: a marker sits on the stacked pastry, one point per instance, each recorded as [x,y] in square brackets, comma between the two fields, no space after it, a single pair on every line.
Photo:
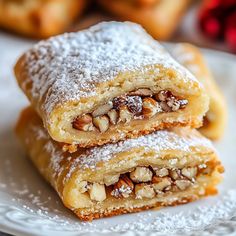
[111,122]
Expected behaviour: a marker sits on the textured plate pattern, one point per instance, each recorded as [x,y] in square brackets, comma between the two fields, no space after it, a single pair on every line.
[28,206]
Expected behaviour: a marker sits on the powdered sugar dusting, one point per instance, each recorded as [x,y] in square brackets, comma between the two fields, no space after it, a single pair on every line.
[68,67]
[212,218]
[158,141]
[90,158]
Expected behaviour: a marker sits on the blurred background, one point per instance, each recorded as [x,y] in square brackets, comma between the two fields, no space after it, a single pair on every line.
[206,23]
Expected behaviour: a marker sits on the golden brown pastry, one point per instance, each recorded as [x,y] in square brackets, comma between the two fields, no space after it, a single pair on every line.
[39,18]
[159,17]
[165,168]
[108,83]
[216,118]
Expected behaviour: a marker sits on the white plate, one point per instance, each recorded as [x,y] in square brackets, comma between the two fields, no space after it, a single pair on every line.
[28,206]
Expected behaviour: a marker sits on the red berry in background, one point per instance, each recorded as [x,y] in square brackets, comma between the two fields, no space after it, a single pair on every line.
[211,27]
[213,4]
[217,20]
[230,32]
[228,3]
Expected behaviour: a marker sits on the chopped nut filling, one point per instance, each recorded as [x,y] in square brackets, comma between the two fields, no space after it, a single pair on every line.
[143,182]
[139,104]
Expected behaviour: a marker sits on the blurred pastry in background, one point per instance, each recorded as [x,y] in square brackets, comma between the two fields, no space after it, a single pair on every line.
[89,20]
[216,118]
[39,18]
[159,17]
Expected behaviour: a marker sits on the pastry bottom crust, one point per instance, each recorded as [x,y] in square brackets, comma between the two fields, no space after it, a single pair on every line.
[210,191]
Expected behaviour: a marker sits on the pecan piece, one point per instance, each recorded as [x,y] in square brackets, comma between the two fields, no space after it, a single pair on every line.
[173,103]
[163,95]
[189,172]
[102,110]
[125,115]
[111,179]
[134,104]
[113,116]
[162,172]
[175,174]
[83,186]
[141,174]
[165,107]
[183,103]
[83,123]
[123,187]
[160,184]
[119,102]
[182,184]
[97,192]
[150,107]
[144,191]
[102,123]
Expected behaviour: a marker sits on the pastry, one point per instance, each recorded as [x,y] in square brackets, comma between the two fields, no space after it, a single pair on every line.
[216,118]
[39,18]
[165,168]
[107,83]
[159,17]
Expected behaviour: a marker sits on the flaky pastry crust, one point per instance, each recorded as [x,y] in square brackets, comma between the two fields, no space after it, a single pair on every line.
[72,75]
[85,181]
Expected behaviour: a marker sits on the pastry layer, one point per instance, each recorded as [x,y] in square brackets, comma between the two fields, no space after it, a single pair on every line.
[159,18]
[39,18]
[216,118]
[167,167]
[87,72]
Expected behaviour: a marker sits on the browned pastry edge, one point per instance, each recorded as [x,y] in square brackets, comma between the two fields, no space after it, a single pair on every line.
[73,147]
[185,200]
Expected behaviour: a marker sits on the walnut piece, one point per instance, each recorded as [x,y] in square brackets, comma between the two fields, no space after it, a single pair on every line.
[162,172]
[125,115]
[141,174]
[112,179]
[102,110]
[144,191]
[189,172]
[123,187]
[159,184]
[97,192]
[102,123]
[182,184]
[150,107]
[83,123]
[113,116]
